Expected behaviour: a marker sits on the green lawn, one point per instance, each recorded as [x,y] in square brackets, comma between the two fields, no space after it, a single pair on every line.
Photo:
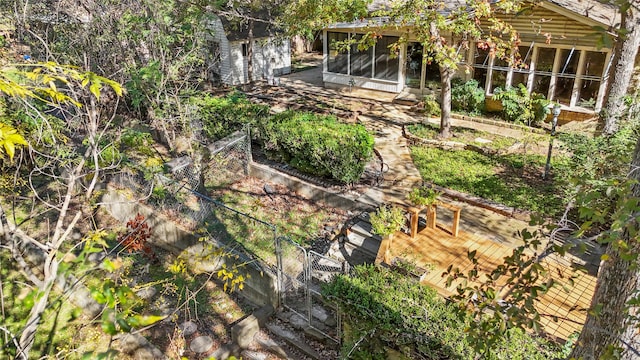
[513,180]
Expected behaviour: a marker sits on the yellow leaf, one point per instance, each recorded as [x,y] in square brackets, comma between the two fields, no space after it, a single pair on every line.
[9,148]
[604,257]
[95,90]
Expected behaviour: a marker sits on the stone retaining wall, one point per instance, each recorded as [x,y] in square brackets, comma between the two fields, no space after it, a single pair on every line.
[260,287]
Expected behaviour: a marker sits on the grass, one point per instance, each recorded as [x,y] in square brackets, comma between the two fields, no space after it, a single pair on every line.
[464,135]
[301,221]
[513,180]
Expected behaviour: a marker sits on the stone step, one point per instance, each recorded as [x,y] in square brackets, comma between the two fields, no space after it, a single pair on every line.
[357,255]
[369,244]
[363,228]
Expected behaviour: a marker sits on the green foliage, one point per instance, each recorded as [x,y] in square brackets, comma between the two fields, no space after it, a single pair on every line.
[385,308]
[596,171]
[221,116]
[137,140]
[423,196]
[387,220]
[497,178]
[431,106]
[467,97]
[520,106]
[318,145]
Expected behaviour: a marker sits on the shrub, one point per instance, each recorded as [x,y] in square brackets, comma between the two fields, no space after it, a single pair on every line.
[467,96]
[387,220]
[431,106]
[384,308]
[520,106]
[423,196]
[221,116]
[317,145]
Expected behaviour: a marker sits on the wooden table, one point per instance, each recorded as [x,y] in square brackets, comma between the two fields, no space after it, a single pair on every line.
[431,217]
[415,216]
[456,216]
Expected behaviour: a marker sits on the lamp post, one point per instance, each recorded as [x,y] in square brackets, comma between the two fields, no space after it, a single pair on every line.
[556,113]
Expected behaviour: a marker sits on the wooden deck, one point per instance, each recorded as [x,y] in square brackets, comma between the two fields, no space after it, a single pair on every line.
[437,248]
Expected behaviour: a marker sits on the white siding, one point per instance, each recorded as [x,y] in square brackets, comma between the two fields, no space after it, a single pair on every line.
[270,57]
[219,36]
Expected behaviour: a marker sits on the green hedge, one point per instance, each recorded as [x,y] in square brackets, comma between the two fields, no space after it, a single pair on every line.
[383,308]
[317,144]
[221,116]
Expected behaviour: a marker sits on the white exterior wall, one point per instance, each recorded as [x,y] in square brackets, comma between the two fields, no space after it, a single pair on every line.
[219,36]
[271,58]
[233,66]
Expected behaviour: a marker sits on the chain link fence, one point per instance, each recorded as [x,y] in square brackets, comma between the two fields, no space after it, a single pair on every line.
[179,196]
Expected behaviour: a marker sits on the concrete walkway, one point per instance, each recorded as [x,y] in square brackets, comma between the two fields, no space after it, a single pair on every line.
[385,119]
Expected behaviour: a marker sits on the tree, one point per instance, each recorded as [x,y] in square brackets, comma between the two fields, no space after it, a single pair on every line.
[611,329]
[431,23]
[82,90]
[446,32]
[624,56]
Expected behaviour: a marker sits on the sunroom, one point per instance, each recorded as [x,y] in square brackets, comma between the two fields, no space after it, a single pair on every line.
[561,57]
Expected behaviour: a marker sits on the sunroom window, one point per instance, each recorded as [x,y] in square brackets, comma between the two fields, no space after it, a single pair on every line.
[566,76]
[338,57]
[361,59]
[543,70]
[386,65]
[591,80]
[481,62]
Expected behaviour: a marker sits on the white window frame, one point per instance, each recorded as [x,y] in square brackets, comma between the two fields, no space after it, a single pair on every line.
[555,73]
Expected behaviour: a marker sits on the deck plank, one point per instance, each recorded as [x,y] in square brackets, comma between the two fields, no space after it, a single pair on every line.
[437,249]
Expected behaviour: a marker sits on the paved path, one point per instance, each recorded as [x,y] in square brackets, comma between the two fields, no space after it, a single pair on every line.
[385,119]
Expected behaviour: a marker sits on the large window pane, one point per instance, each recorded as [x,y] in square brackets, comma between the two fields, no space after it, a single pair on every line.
[432,75]
[338,58]
[521,66]
[566,75]
[413,65]
[361,59]
[386,65]
[593,68]
[543,69]
[480,66]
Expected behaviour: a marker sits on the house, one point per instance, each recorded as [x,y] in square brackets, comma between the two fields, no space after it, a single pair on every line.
[564,56]
[228,50]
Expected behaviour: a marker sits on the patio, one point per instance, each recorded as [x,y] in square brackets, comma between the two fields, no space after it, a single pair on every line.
[436,249]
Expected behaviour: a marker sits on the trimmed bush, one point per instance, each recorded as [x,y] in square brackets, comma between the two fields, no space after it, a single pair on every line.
[317,144]
[221,116]
[467,97]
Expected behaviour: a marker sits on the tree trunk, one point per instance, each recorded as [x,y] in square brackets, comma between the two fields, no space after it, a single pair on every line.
[250,53]
[624,56]
[445,103]
[618,282]
[445,84]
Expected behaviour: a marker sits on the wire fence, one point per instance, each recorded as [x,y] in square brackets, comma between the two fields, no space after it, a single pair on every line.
[179,195]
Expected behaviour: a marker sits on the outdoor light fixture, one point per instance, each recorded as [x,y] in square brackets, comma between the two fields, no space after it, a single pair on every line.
[555,112]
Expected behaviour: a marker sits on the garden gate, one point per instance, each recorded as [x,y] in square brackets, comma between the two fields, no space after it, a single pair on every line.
[302,274]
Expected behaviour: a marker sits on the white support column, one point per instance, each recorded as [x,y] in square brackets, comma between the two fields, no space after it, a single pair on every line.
[575,92]
[532,69]
[554,72]
[604,82]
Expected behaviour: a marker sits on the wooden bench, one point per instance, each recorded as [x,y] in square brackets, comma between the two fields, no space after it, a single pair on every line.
[415,211]
[456,216]
[431,214]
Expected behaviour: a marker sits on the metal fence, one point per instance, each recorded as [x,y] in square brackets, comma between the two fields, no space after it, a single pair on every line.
[178,195]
